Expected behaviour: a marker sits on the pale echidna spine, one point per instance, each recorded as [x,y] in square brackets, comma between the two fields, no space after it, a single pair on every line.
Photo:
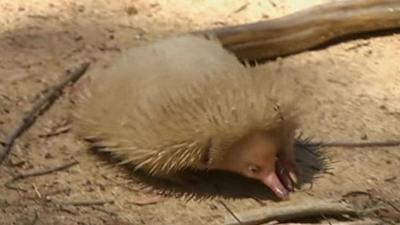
[159,106]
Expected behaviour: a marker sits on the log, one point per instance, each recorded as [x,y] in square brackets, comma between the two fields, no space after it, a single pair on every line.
[307,29]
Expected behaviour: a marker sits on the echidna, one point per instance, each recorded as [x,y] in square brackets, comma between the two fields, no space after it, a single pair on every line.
[187,103]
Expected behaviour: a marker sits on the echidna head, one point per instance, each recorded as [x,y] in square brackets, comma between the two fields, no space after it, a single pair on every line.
[255,157]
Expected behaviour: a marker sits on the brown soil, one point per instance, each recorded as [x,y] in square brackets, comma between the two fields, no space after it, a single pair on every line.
[354,90]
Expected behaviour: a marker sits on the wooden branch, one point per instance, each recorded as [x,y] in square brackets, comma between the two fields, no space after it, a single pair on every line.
[50,96]
[288,211]
[43,172]
[308,28]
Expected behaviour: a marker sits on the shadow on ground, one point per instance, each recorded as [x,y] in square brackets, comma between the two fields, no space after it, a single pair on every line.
[212,184]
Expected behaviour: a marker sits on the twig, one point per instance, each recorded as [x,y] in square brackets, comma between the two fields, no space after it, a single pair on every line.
[241,8]
[230,212]
[56,192]
[55,132]
[361,144]
[85,203]
[38,108]
[37,192]
[104,211]
[42,172]
[47,195]
[309,143]
[289,211]
[225,206]
[15,188]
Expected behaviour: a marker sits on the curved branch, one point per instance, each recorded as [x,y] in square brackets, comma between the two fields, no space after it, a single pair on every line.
[308,28]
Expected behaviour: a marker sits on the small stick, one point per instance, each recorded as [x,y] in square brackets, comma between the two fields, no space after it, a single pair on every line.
[11,187]
[226,207]
[104,210]
[349,144]
[56,192]
[230,212]
[86,203]
[290,211]
[38,108]
[361,144]
[61,130]
[83,203]
[37,192]
[42,172]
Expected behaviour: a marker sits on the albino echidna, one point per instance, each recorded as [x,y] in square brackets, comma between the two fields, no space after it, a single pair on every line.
[187,103]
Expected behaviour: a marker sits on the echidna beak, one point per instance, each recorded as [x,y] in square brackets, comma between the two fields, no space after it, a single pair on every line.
[273,182]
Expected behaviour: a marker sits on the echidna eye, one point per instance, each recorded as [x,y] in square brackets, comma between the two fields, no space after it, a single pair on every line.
[253,169]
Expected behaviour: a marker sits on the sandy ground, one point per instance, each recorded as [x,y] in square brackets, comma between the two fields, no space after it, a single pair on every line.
[353,87]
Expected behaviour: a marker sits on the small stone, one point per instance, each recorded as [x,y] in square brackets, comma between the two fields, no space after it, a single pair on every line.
[131,10]
[78,38]
[90,189]
[17,162]
[48,156]
[81,8]
[154,5]
[213,207]
[364,137]
[102,187]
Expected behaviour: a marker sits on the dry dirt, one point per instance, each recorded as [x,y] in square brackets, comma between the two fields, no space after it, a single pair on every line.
[354,89]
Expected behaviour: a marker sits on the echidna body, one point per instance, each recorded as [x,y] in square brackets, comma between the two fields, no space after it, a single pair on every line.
[187,103]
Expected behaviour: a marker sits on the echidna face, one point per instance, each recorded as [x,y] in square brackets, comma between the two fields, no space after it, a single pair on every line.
[260,156]
[255,157]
